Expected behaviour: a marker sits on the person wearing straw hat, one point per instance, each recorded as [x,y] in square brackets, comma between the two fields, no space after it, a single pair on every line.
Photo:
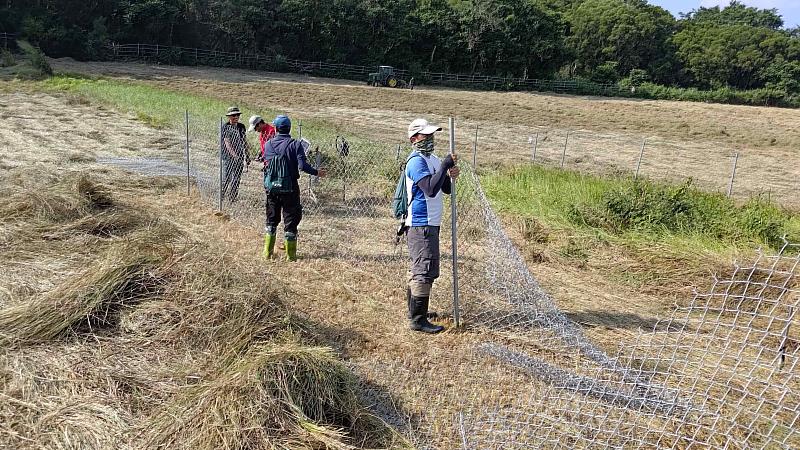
[427,177]
[285,152]
[234,153]
[266,131]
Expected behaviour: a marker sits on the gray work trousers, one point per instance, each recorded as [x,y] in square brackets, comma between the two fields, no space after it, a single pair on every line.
[423,250]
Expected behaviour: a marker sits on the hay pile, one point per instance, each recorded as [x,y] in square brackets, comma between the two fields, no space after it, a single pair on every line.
[149,335]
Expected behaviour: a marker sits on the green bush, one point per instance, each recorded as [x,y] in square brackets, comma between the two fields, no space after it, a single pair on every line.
[650,207]
[36,58]
[764,220]
[756,97]
[638,209]
[7,59]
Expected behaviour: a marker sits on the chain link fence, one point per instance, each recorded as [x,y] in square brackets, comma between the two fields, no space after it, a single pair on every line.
[721,372]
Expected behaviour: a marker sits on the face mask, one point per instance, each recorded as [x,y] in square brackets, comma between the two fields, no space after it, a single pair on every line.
[425,146]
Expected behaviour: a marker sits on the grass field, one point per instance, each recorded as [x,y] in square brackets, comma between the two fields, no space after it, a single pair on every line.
[557,217]
[684,139]
[326,337]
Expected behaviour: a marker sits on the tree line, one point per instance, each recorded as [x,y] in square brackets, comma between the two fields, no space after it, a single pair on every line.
[625,41]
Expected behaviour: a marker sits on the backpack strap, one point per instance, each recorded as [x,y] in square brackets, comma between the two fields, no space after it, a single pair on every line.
[410,197]
[274,150]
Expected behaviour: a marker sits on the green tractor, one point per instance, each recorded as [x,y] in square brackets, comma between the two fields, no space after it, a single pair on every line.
[385,76]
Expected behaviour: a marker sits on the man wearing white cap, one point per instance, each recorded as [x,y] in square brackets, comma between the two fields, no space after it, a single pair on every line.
[265,132]
[427,177]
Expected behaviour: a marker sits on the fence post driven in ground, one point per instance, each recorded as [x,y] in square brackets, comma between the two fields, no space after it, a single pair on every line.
[186,117]
[785,339]
[221,147]
[475,150]
[535,144]
[453,226]
[733,173]
[317,163]
[564,153]
[641,155]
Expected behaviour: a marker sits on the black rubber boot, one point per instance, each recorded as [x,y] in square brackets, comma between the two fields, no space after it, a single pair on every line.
[419,316]
[430,314]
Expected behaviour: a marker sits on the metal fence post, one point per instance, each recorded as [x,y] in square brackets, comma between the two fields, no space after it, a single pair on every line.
[564,153]
[641,155]
[535,144]
[785,339]
[187,153]
[317,164]
[221,147]
[454,227]
[344,180]
[733,173]
[299,129]
[475,150]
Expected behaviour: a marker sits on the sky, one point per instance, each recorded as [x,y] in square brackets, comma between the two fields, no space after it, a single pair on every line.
[789,9]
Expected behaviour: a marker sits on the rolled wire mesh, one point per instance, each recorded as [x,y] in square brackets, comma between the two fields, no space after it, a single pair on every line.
[721,372]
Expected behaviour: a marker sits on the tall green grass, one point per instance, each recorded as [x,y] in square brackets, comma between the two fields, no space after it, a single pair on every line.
[158,107]
[165,108]
[639,209]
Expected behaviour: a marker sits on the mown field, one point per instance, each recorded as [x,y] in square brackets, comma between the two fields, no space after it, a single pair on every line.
[685,140]
[328,337]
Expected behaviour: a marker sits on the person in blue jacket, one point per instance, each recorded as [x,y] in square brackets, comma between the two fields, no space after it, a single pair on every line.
[288,203]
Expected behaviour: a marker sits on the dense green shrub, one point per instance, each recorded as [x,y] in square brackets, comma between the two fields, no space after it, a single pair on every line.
[650,207]
[36,58]
[7,58]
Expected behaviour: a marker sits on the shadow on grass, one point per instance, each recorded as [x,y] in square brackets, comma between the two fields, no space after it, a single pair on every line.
[623,320]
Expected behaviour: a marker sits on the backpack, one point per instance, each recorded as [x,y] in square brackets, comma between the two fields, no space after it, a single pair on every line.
[400,202]
[277,174]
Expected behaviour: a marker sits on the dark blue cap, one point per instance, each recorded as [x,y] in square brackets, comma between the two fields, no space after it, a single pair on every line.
[282,122]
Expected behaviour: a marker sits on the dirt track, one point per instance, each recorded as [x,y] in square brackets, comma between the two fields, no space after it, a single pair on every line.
[683,139]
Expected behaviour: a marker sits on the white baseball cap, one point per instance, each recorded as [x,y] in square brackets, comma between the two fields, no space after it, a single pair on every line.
[421,126]
[254,120]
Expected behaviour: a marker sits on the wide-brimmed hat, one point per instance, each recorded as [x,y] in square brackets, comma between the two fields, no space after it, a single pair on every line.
[233,111]
[421,126]
[254,120]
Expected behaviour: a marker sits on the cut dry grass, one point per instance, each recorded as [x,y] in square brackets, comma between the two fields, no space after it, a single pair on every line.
[60,202]
[283,396]
[91,300]
[153,333]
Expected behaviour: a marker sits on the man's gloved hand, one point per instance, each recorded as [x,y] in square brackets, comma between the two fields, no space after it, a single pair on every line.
[449,164]
[449,161]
